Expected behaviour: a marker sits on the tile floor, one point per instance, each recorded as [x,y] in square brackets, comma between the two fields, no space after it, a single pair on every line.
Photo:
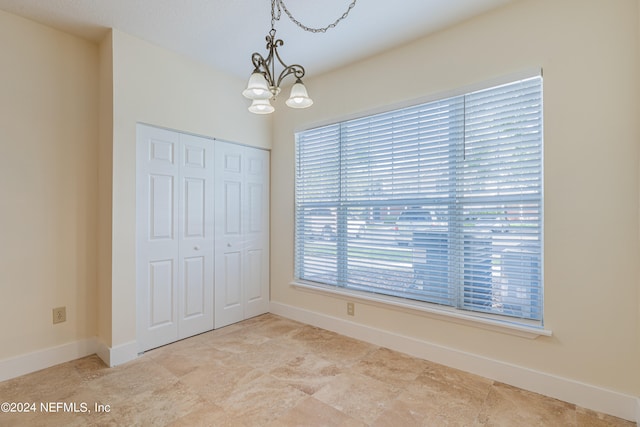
[270,371]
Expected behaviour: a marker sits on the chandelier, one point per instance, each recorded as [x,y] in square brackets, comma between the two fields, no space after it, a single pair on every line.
[264,83]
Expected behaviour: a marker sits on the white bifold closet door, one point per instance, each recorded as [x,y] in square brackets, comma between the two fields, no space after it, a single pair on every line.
[242,233]
[175,232]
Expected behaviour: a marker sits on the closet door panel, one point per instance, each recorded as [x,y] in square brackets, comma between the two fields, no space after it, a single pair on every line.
[229,265]
[161,287]
[160,214]
[254,290]
[232,286]
[157,262]
[232,209]
[242,245]
[255,208]
[175,231]
[194,287]
[195,208]
[256,226]
[196,236]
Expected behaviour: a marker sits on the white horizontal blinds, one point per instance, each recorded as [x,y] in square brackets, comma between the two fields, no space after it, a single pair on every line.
[317,194]
[393,164]
[402,155]
[500,194]
[440,202]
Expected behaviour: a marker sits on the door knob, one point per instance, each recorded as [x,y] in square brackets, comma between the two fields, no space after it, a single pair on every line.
[228,245]
[196,248]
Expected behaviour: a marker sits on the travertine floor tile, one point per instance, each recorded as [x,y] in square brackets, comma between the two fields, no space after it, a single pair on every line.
[273,326]
[439,396]
[157,407]
[206,416]
[89,368]
[182,361]
[399,414]
[312,412]
[216,383]
[358,396]
[391,366]
[142,375]
[239,342]
[587,418]
[267,356]
[307,372]
[261,401]
[439,379]
[509,406]
[343,351]
[59,381]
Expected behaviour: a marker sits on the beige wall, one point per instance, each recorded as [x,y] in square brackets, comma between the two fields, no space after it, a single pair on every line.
[638,260]
[589,53]
[105,190]
[157,87]
[48,186]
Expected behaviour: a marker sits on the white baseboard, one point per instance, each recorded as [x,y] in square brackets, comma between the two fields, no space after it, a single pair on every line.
[114,356]
[41,359]
[27,363]
[581,394]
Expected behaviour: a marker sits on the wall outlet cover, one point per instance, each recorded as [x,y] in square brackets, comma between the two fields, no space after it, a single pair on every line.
[59,314]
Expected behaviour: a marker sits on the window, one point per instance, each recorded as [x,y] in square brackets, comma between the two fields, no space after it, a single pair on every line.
[439,203]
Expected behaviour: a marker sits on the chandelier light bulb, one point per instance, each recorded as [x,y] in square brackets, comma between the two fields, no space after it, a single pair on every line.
[299,97]
[257,88]
[261,106]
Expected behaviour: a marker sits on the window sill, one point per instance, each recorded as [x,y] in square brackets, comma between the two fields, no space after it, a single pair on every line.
[429,310]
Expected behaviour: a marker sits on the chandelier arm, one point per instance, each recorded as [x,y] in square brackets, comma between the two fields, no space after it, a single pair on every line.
[258,61]
[295,69]
[262,65]
[269,64]
[281,6]
[272,46]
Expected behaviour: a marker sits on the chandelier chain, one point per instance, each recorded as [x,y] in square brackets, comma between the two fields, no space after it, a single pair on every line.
[277,6]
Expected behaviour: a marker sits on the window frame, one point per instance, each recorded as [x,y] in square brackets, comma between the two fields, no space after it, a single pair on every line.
[519,326]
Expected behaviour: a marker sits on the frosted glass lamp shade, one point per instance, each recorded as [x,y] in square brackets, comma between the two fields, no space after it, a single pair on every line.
[299,97]
[257,88]
[261,106]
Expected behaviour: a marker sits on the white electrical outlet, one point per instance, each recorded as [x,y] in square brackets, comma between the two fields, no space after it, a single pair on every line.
[59,314]
[350,309]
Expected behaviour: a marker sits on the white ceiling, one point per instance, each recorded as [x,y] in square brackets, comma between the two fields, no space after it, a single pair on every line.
[224,33]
